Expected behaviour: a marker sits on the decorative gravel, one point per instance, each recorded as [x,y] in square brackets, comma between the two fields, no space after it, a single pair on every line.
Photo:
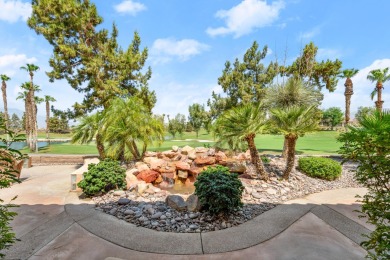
[150,211]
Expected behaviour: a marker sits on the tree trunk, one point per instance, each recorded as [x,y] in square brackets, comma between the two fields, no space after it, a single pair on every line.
[291,142]
[285,149]
[100,146]
[255,159]
[26,121]
[348,93]
[347,109]
[35,136]
[136,154]
[30,116]
[47,119]
[379,103]
[4,91]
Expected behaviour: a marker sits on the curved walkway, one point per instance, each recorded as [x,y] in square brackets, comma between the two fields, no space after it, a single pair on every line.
[54,223]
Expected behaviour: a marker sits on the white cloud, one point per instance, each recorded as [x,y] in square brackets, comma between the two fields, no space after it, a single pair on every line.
[361,88]
[246,16]
[11,63]
[13,10]
[129,7]
[324,53]
[310,34]
[164,50]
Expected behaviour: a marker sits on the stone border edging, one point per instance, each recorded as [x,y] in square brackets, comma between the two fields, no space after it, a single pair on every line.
[250,233]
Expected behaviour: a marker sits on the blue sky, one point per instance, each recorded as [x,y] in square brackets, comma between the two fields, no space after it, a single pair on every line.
[189,42]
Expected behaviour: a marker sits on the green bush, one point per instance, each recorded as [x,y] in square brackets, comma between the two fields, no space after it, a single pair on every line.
[8,173]
[219,191]
[323,168]
[369,146]
[102,177]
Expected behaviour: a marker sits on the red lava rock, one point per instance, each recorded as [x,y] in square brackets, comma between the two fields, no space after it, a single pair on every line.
[205,160]
[148,176]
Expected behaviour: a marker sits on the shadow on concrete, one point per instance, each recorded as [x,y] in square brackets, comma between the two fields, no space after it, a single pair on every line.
[45,230]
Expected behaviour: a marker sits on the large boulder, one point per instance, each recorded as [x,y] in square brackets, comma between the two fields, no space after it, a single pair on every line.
[236,167]
[206,160]
[148,176]
[130,175]
[167,167]
[142,187]
[193,203]
[176,202]
[169,154]
[192,155]
[183,166]
[187,150]
[220,156]
[201,149]
[141,166]
[194,171]
[182,174]
[155,163]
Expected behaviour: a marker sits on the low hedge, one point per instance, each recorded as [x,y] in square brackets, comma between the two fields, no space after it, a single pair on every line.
[103,177]
[219,191]
[318,167]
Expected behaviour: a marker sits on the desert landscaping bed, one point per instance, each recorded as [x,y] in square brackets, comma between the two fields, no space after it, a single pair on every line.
[145,205]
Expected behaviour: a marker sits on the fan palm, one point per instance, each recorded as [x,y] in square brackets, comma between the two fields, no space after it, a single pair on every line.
[294,92]
[129,124]
[293,122]
[90,127]
[33,128]
[48,99]
[379,76]
[347,74]
[24,95]
[242,124]
[5,78]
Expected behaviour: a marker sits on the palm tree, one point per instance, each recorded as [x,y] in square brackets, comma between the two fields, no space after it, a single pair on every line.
[48,99]
[32,135]
[294,92]
[242,124]
[380,76]
[132,125]
[294,121]
[90,127]
[5,78]
[347,74]
[24,95]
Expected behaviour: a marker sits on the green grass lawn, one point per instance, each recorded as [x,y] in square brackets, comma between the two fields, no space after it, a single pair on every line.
[323,142]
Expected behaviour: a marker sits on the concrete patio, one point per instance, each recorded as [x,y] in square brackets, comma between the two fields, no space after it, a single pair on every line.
[54,223]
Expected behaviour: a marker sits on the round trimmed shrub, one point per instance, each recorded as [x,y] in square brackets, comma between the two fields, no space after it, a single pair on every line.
[219,191]
[318,167]
[103,177]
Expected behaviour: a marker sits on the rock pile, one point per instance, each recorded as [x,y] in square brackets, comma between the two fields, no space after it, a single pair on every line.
[150,207]
[180,166]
